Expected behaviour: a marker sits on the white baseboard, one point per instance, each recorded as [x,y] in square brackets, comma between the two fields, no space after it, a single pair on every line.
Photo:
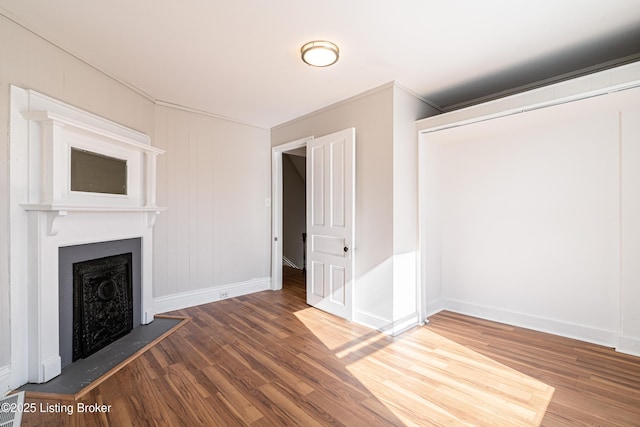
[386,326]
[401,325]
[434,307]
[569,330]
[5,380]
[205,296]
[370,320]
[628,345]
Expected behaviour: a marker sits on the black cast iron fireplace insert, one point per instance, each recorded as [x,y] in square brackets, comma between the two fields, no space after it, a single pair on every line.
[102,303]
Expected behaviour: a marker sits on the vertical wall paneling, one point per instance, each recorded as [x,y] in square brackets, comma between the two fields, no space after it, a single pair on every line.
[204,184]
[182,203]
[173,211]
[217,224]
[160,258]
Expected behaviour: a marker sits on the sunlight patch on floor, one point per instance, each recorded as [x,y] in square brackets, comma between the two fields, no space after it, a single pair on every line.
[333,332]
[425,378]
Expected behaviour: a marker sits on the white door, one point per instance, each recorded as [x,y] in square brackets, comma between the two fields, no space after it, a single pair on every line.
[330,218]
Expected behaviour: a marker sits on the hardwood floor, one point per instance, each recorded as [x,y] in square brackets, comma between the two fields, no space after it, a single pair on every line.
[269,359]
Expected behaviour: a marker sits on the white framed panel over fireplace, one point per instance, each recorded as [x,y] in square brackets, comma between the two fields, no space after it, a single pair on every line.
[46,213]
[55,129]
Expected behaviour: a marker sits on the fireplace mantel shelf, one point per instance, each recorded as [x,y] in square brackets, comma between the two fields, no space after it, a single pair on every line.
[76,208]
[57,212]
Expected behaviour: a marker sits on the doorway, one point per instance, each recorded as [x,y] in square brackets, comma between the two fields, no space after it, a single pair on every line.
[278,158]
[330,218]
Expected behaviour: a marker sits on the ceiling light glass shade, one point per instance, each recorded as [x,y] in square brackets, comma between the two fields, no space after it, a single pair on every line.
[320,53]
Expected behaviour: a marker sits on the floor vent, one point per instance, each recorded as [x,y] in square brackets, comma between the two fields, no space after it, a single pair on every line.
[11,410]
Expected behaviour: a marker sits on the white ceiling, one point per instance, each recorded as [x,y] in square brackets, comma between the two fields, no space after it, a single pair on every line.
[239,59]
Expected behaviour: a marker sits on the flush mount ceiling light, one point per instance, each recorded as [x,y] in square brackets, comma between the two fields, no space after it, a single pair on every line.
[320,53]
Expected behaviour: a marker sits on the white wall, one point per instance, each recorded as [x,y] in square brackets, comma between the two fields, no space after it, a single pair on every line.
[386,153]
[629,340]
[215,234]
[524,214]
[33,63]
[530,215]
[407,108]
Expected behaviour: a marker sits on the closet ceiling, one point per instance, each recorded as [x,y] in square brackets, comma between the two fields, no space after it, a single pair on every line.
[240,59]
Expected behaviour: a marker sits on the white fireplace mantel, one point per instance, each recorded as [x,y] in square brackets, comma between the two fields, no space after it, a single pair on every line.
[47,215]
[57,213]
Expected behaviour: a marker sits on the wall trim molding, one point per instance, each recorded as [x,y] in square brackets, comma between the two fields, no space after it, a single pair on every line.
[370,320]
[537,323]
[601,83]
[341,103]
[179,107]
[215,293]
[546,82]
[404,324]
[628,345]
[19,22]
[386,326]
[434,307]
[276,206]
[622,344]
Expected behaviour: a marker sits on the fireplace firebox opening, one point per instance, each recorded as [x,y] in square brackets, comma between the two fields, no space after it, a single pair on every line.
[102,303]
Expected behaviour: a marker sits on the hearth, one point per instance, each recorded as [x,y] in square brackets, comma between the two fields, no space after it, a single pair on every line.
[102,303]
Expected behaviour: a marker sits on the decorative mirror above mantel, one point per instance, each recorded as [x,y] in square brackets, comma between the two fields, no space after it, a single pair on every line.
[96,173]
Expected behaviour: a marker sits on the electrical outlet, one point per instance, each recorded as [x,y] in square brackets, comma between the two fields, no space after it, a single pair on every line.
[224,294]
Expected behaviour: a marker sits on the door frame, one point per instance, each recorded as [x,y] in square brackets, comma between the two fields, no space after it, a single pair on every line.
[276,207]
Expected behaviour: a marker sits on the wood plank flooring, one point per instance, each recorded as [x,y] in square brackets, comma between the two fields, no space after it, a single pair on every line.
[267,359]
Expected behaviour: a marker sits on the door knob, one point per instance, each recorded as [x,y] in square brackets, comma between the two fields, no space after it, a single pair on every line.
[346,249]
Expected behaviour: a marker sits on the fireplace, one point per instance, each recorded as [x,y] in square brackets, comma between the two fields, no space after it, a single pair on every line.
[112,200]
[98,283]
